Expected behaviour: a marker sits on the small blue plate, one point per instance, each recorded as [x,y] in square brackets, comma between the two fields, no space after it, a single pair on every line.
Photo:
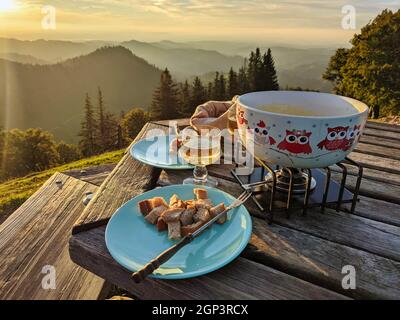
[133,242]
[154,151]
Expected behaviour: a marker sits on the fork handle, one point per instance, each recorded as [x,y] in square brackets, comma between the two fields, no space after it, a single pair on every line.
[154,264]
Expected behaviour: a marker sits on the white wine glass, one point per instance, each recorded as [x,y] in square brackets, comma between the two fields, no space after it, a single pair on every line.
[202,148]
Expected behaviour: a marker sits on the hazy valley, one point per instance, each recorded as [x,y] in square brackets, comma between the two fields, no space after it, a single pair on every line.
[43,83]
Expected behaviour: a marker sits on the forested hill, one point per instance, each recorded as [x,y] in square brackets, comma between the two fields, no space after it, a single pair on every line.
[52,96]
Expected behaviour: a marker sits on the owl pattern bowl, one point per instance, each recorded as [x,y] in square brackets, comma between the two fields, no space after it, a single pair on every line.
[300,141]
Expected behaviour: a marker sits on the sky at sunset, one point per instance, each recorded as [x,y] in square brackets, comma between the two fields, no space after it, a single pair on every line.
[290,22]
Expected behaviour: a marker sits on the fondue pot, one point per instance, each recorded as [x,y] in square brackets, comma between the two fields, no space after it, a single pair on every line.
[328,132]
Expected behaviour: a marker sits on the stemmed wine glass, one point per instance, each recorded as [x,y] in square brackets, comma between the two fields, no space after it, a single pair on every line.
[201,147]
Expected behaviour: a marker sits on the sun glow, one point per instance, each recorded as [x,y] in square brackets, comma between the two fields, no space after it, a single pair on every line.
[7,5]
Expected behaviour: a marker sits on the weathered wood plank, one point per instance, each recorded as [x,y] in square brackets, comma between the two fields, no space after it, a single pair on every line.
[378,150]
[129,178]
[379,141]
[379,190]
[383,126]
[382,133]
[94,175]
[350,230]
[379,210]
[375,162]
[374,175]
[37,235]
[241,279]
[316,247]
[320,261]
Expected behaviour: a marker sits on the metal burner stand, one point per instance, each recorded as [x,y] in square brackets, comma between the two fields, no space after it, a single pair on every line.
[319,189]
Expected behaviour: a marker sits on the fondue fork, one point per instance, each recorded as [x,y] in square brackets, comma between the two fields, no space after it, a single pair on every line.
[154,264]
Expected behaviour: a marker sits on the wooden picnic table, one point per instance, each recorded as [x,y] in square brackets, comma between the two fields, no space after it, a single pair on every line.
[296,258]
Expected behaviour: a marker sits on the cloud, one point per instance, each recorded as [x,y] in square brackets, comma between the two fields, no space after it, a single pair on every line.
[290,20]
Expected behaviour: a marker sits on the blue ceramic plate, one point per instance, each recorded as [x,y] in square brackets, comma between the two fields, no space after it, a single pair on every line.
[154,151]
[133,242]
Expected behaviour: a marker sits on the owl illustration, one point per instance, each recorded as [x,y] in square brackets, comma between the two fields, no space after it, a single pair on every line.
[296,142]
[353,135]
[240,117]
[336,139]
[261,134]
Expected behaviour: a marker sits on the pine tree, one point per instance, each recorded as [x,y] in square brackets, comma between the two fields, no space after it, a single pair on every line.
[261,72]
[255,71]
[185,109]
[222,87]
[101,130]
[198,94]
[251,70]
[270,78]
[210,91]
[165,99]
[233,85]
[219,87]
[87,143]
[216,88]
[258,79]
[110,132]
[243,80]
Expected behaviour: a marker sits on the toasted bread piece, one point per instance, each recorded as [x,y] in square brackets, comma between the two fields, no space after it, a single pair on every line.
[159,201]
[200,193]
[175,202]
[181,204]
[190,204]
[191,228]
[161,225]
[174,230]
[145,207]
[154,214]
[203,204]
[217,210]
[201,215]
[172,215]
[187,216]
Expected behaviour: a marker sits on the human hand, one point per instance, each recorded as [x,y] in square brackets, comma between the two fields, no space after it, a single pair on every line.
[212,113]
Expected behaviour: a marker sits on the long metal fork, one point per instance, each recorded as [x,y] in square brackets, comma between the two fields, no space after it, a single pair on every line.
[154,264]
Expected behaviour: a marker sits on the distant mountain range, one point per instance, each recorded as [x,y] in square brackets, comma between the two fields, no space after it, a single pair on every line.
[188,59]
[43,82]
[22,58]
[52,51]
[183,61]
[52,96]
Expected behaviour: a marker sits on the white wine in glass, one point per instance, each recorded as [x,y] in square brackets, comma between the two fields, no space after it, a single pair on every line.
[201,151]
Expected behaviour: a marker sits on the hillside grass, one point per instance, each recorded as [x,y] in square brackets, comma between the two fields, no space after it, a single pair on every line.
[13,193]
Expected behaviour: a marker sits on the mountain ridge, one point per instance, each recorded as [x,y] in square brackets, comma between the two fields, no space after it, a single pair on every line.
[52,96]
[194,58]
